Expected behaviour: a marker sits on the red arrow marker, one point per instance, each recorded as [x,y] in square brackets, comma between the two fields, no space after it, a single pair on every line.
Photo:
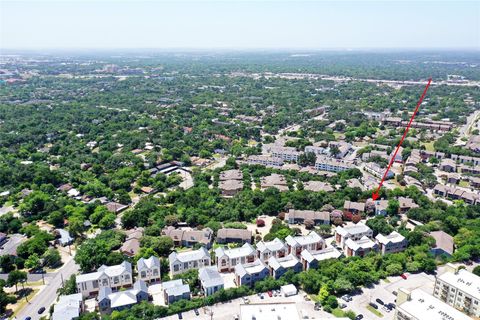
[375,194]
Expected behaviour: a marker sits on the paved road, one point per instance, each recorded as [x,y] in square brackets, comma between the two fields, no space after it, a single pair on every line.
[31,277]
[47,296]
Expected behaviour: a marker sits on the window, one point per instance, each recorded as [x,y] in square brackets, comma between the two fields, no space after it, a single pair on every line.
[116,280]
[95,283]
[155,272]
[143,274]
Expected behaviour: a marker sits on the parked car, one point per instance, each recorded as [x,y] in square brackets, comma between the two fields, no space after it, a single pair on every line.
[394,293]
[346,298]
[404,276]
[373,305]
[180,316]
[379,301]
[390,305]
[196,312]
[270,293]
[261,296]
[359,317]
[41,310]
[306,297]
[342,305]
[28,318]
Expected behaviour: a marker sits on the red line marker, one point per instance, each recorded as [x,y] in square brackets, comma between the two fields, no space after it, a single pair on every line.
[375,194]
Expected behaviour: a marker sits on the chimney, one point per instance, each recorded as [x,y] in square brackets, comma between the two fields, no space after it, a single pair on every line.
[403,296]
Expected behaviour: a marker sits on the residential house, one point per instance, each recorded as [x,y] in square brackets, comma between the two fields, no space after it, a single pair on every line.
[444,244]
[227,259]
[210,280]
[318,186]
[111,301]
[131,246]
[234,174]
[249,273]
[64,237]
[312,241]
[394,242]
[149,269]
[406,204]
[279,266]
[175,290]
[448,165]
[354,232]
[274,181]
[351,208]
[359,248]
[229,235]
[275,248]
[116,207]
[311,258]
[187,237]
[114,277]
[300,216]
[68,307]
[381,207]
[229,188]
[183,261]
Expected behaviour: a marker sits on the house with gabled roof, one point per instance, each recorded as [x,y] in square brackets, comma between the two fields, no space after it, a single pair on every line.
[249,273]
[175,290]
[312,241]
[275,248]
[149,269]
[114,277]
[210,280]
[311,258]
[227,259]
[183,261]
[279,266]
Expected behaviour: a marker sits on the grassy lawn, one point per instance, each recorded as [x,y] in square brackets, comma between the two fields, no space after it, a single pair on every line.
[375,311]
[464,184]
[17,307]
[429,146]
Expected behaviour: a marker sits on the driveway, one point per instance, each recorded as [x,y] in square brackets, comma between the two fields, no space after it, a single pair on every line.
[10,247]
[48,295]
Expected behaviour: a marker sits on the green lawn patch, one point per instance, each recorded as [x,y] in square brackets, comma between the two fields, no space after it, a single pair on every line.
[375,311]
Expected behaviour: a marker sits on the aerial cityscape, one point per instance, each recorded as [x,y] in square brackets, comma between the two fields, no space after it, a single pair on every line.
[230,160]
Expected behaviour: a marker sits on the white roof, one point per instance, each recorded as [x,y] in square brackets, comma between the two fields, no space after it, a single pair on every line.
[274,245]
[250,268]
[353,229]
[463,280]
[210,277]
[364,243]
[242,251]
[148,263]
[319,255]
[424,306]
[109,271]
[311,238]
[123,298]
[393,237]
[188,256]
[277,311]
[289,288]
[286,262]
[67,307]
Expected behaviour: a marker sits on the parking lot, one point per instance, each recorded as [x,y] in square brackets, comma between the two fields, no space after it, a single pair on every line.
[228,310]
[384,291]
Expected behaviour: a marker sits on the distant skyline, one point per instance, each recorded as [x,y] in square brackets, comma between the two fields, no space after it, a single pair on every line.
[239,24]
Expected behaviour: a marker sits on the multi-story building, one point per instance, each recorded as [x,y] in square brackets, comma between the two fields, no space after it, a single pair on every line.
[184,261]
[114,277]
[300,216]
[149,269]
[419,305]
[229,235]
[175,290]
[312,241]
[459,288]
[354,232]
[279,266]
[359,248]
[275,248]
[265,160]
[310,259]
[377,171]
[351,209]
[187,237]
[210,280]
[249,273]
[394,242]
[332,165]
[227,259]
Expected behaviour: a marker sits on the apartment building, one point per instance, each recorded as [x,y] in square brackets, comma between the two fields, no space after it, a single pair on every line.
[312,241]
[249,273]
[114,277]
[183,261]
[187,237]
[460,289]
[275,248]
[311,258]
[359,248]
[354,232]
[419,305]
[394,242]
[332,165]
[149,269]
[227,259]
[377,171]
[300,216]
[279,266]
[265,160]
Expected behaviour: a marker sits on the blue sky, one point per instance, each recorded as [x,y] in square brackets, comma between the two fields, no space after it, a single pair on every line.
[239,24]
